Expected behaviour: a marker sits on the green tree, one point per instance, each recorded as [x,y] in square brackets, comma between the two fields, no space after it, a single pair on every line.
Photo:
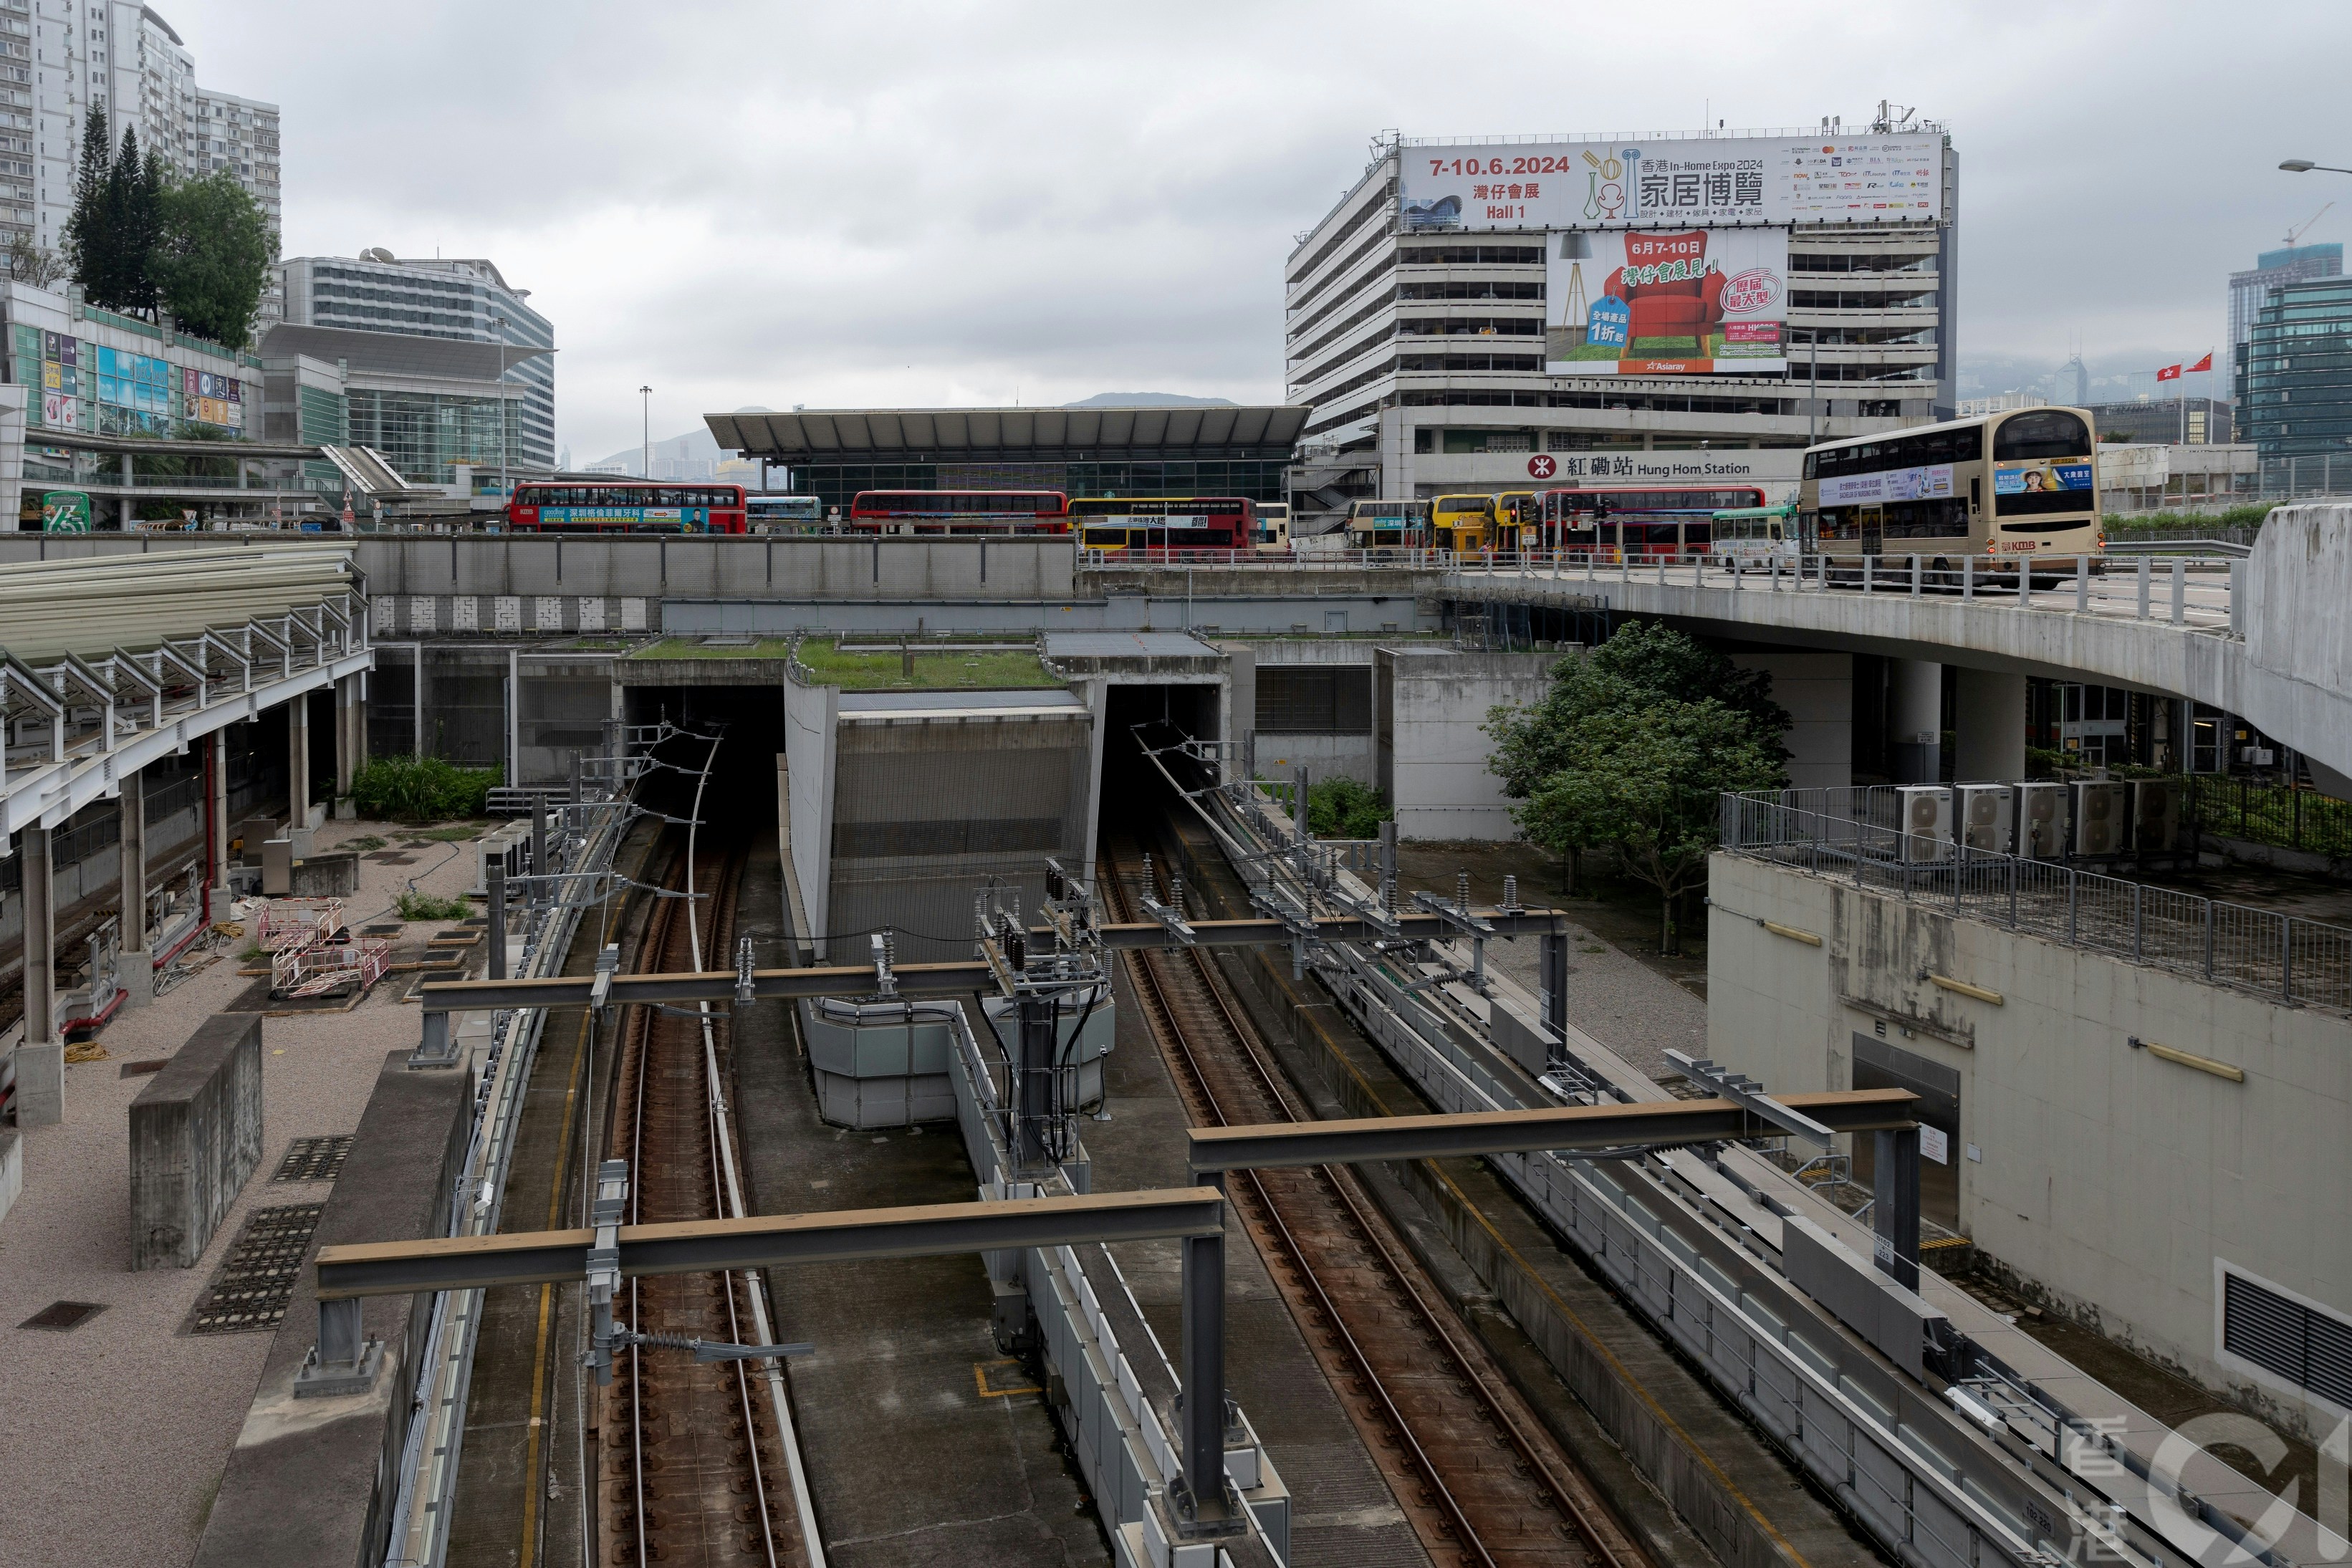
[134,193]
[89,233]
[1630,750]
[1344,808]
[213,257]
[1647,784]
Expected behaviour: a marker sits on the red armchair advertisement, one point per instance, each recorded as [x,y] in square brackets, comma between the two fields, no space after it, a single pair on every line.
[1695,302]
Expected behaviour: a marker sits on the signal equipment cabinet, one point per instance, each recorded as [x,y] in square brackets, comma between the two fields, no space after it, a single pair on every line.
[2101,822]
[2041,820]
[1926,822]
[1987,816]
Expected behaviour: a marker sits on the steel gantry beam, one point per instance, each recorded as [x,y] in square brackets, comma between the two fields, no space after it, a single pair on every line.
[956,978]
[766,1240]
[1661,1123]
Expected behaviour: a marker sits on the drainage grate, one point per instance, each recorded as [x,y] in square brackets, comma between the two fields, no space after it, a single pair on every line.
[63,1315]
[314,1159]
[258,1279]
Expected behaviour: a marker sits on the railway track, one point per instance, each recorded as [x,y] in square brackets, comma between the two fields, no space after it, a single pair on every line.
[1470,1464]
[691,1468]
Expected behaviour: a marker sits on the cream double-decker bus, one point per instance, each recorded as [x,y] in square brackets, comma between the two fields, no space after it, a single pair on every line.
[2022,483]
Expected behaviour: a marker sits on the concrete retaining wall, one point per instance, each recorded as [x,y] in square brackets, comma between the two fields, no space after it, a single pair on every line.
[312,1480]
[1430,707]
[196,1139]
[2113,1180]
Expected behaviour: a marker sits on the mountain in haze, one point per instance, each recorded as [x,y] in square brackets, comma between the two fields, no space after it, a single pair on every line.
[1150,399]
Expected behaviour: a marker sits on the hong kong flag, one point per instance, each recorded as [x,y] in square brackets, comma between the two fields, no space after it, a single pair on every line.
[2170,374]
[2204,365]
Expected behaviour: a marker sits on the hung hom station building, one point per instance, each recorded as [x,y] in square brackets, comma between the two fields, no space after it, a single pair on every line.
[1506,313]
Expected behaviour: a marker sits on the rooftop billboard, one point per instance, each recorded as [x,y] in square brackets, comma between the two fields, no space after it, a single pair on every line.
[1462,185]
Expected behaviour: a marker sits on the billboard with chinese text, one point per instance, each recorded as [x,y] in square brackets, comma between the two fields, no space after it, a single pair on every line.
[1694,302]
[1896,177]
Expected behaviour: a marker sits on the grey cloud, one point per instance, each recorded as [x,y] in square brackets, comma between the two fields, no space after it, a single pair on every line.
[825,203]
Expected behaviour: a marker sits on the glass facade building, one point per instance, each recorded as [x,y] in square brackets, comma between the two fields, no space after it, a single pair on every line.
[2295,373]
[103,374]
[466,299]
[2274,269]
[426,434]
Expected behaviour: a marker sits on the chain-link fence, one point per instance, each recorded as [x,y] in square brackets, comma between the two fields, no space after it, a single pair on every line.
[1856,834]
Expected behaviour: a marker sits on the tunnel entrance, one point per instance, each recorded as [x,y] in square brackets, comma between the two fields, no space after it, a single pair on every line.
[1158,714]
[751,718]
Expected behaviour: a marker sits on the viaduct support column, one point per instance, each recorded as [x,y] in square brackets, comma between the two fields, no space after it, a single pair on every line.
[136,960]
[351,737]
[217,893]
[1988,726]
[1915,720]
[298,773]
[41,1058]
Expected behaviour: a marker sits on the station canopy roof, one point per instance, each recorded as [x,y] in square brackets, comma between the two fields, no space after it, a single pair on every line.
[888,432]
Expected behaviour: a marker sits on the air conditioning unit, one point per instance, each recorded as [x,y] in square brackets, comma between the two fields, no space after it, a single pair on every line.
[1988,814]
[2102,825]
[1926,822]
[2042,817]
[2156,816]
[2257,756]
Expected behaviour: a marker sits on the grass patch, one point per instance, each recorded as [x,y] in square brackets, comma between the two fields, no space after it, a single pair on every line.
[694,648]
[421,789]
[365,842]
[942,668]
[450,835]
[424,906]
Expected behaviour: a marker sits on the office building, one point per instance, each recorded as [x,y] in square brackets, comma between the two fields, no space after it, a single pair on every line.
[2295,387]
[1683,308]
[123,57]
[464,298]
[431,404]
[2273,269]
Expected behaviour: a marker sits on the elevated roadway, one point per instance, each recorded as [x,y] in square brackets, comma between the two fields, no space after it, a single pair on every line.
[2264,637]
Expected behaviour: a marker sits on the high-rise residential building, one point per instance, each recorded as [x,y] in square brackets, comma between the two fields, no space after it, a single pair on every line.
[59,58]
[2291,263]
[1691,307]
[462,297]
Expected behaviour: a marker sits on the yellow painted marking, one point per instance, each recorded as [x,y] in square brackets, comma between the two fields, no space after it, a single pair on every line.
[2201,1063]
[1949,984]
[1810,938]
[979,1380]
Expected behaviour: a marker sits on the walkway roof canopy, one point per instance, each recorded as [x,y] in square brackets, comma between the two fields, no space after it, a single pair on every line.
[889,433]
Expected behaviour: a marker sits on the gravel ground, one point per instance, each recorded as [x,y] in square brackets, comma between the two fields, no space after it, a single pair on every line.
[1639,1008]
[116,1433]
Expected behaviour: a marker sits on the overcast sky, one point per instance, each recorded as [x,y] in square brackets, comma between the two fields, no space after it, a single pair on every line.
[847,204]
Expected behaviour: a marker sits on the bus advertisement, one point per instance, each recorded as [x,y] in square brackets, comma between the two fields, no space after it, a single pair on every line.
[625,507]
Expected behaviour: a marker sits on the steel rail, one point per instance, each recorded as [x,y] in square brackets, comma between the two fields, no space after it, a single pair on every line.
[1603,1538]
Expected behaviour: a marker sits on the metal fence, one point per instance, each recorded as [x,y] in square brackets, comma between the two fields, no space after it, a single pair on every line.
[1856,834]
[2276,814]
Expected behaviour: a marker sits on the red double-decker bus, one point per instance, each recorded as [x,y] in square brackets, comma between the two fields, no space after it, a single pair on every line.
[1165,525]
[625,507]
[1676,521]
[960,512]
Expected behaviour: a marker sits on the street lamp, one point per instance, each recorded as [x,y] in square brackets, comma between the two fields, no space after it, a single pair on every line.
[646,455]
[498,325]
[2305,166]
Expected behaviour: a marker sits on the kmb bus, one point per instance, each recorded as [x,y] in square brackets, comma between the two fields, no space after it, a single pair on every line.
[960,512]
[2021,483]
[1159,524]
[1634,521]
[784,514]
[1388,525]
[625,507]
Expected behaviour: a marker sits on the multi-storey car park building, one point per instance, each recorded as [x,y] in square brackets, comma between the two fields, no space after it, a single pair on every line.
[465,299]
[57,61]
[1453,329]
